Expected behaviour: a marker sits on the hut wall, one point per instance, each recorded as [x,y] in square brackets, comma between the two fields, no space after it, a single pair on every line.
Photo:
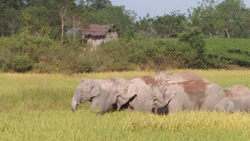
[97,40]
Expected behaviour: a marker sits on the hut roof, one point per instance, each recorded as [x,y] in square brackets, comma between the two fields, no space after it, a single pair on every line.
[97,30]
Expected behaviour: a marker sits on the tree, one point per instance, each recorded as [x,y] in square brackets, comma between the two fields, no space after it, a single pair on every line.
[230,12]
[62,7]
[195,39]
[111,15]
[205,16]
[170,25]
[36,20]
[145,27]
[45,3]
[15,4]
[98,4]
[74,17]
[10,16]
[245,24]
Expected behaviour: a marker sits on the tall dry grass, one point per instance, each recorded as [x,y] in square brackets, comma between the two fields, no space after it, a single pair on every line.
[37,107]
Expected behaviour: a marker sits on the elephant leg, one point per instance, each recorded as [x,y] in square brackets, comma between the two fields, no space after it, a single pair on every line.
[130,108]
[107,106]
[175,106]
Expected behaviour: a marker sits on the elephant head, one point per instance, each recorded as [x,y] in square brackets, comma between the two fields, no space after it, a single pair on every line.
[124,91]
[84,92]
[162,96]
[226,105]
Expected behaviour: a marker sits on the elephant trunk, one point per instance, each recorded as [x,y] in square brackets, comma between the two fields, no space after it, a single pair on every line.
[74,105]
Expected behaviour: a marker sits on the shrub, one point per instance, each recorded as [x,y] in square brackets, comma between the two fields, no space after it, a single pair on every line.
[195,39]
[22,63]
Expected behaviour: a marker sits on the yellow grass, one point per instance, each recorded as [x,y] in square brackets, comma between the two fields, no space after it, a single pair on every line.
[37,107]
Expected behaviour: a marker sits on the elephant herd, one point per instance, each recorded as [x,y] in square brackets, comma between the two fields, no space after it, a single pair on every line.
[162,93]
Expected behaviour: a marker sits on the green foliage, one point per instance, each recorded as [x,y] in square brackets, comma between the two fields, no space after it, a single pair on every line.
[145,27]
[195,39]
[138,53]
[99,4]
[45,53]
[143,54]
[120,17]
[10,18]
[36,21]
[226,18]
[236,51]
[22,63]
[170,25]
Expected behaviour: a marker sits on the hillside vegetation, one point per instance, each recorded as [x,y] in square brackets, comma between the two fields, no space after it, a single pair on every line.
[43,55]
[45,36]
[236,51]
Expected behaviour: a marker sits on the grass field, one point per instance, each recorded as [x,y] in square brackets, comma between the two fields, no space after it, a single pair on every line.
[36,107]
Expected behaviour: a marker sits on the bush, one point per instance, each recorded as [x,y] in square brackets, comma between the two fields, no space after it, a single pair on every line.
[195,39]
[45,55]
[22,63]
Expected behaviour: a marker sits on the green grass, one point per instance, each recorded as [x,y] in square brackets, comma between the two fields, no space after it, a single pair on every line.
[37,107]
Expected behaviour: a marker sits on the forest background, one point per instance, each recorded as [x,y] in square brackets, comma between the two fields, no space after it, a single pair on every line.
[44,36]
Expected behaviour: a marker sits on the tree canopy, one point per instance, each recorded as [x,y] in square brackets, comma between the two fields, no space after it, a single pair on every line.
[215,18]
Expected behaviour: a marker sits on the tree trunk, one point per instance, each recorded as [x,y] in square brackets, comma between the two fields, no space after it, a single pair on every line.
[2,32]
[62,30]
[74,28]
[210,34]
[228,35]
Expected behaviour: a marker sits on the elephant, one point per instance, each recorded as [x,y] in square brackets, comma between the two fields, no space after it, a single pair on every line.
[135,93]
[234,104]
[179,77]
[95,91]
[130,94]
[237,99]
[112,97]
[236,90]
[189,95]
[163,110]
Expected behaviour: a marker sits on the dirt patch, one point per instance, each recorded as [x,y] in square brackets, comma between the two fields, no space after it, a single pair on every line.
[236,67]
[149,80]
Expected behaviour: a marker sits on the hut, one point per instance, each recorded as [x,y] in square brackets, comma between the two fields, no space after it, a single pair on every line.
[98,34]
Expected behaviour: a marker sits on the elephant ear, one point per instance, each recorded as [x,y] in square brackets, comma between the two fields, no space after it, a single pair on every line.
[95,90]
[131,91]
[169,94]
[169,99]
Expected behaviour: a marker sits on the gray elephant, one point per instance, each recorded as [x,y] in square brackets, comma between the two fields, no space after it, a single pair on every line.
[234,104]
[112,99]
[131,94]
[236,90]
[95,91]
[135,93]
[179,77]
[189,95]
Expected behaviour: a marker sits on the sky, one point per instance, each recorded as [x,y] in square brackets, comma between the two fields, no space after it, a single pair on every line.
[159,7]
